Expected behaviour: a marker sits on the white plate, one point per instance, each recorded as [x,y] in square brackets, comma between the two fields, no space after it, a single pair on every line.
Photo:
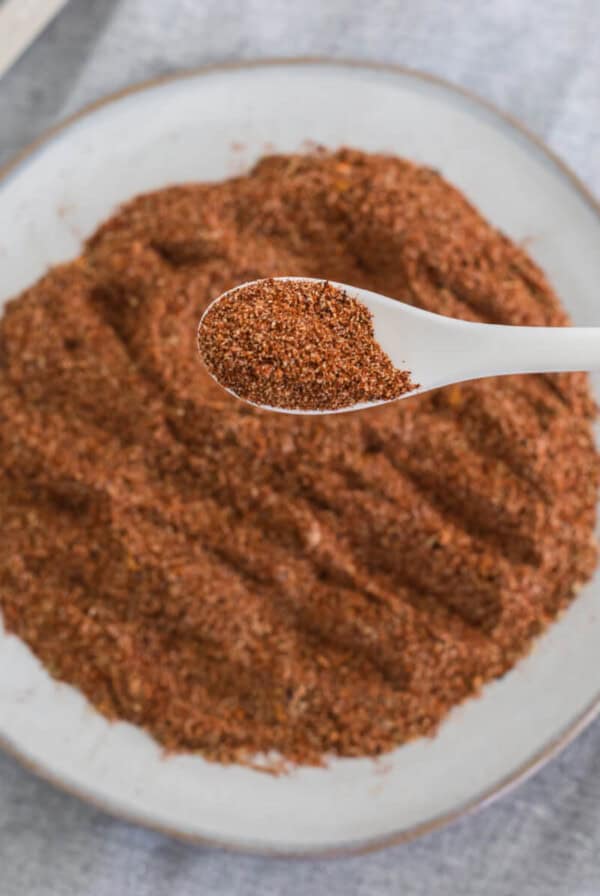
[207,125]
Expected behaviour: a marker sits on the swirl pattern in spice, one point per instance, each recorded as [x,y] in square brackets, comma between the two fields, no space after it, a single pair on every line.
[237,581]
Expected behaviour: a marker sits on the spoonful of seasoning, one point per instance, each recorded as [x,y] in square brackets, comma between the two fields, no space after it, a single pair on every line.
[304,346]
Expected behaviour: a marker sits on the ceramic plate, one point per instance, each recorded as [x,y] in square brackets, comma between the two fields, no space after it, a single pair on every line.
[209,125]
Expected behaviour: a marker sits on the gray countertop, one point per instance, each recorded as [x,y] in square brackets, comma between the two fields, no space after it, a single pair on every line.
[539,60]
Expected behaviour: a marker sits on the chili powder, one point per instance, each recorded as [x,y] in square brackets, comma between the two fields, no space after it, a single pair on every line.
[239,582]
[297,344]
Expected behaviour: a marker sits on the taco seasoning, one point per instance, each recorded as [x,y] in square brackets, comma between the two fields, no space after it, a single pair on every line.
[297,344]
[239,582]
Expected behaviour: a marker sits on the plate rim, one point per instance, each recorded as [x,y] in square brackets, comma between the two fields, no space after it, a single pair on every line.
[552,747]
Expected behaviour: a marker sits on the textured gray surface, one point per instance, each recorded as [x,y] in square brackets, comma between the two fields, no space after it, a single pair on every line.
[537,59]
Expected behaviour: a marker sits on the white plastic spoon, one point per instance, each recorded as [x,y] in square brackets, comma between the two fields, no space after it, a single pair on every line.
[441,350]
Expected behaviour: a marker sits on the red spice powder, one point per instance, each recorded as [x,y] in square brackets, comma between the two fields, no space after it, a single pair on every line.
[297,344]
[238,581]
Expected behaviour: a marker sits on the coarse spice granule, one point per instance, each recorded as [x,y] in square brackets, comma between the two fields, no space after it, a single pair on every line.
[297,344]
[238,581]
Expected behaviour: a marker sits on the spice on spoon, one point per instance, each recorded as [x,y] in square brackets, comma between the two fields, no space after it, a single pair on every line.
[297,344]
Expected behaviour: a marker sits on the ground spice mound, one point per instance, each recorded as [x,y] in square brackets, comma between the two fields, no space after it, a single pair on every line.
[297,344]
[238,581]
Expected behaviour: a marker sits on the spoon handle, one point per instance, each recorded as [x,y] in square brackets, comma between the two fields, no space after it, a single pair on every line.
[494,349]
